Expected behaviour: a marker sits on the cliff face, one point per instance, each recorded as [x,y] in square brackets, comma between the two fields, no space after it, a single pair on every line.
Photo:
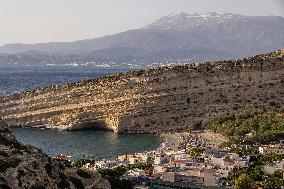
[27,167]
[155,100]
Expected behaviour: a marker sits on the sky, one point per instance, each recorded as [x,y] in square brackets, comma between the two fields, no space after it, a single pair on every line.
[40,21]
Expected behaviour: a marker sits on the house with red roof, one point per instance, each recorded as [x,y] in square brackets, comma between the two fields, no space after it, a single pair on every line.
[181,163]
[210,178]
[228,163]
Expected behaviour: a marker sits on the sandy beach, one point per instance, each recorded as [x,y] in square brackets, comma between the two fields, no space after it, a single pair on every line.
[204,139]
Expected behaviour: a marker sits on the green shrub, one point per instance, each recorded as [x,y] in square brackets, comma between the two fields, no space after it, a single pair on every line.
[63,181]
[83,173]
[14,163]
[35,165]
[4,140]
[4,165]
[21,173]
[81,162]
[197,125]
[48,169]
[4,186]
[77,182]
[143,166]
[3,154]
[195,152]
[117,172]
[38,186]
[252,126]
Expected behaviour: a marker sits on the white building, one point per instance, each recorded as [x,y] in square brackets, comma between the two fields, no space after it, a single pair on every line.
[242,162]
[159,169]
[136,173]
[210,178]
[276,166]
[269,149]
[168,177]
[180,155]
[106,164]
[161,159]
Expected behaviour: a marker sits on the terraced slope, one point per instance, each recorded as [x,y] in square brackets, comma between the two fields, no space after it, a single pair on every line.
[155,100]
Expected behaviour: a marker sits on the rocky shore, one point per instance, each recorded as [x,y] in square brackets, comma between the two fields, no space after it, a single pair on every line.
[27,167]
[164,99]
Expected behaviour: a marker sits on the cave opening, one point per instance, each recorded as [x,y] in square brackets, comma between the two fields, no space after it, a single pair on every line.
[90,126]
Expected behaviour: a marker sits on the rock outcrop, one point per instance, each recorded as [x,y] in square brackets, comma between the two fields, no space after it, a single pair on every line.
[27,167]
[155,100]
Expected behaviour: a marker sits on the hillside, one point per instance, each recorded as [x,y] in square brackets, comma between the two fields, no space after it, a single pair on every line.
[156,100]
[178,38]
[250,127]
[27,167]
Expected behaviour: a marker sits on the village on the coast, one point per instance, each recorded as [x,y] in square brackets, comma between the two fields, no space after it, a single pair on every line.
[187,160]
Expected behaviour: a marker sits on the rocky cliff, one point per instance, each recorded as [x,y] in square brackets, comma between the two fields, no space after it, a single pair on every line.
[27,167]
[155,100]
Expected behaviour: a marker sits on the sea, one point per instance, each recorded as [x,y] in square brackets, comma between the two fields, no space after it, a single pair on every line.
[78,144]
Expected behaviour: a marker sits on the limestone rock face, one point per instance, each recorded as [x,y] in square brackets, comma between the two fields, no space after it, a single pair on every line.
[27,167]
[155,100]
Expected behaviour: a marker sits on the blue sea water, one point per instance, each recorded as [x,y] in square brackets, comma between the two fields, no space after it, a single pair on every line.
[86,144]
[14,80]
[78,144]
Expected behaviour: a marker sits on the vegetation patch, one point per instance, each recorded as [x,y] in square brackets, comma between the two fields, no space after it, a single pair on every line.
[4,140]
[64,183]
[195,152]
[254,175]
[14,162]
[80,163]
[83,173]
[250,127]
[77,182]
[114,176]
[38,186]
[4,165]
[143,166]
[197,125]
[48,169]
[253,128]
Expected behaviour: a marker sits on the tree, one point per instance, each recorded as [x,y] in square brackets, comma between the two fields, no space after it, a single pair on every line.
[243,182]
[274,180]
[197,125]
[195,152]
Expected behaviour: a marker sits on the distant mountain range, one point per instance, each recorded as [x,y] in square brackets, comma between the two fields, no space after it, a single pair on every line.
[177,38]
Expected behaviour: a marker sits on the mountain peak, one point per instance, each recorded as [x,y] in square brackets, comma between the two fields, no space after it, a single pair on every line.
[176,38]
[207,14]
[184,21]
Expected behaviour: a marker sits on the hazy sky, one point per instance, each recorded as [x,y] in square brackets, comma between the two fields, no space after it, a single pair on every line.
[32,21]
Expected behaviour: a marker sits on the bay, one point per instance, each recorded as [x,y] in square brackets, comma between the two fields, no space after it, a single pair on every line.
[86,144]
[78,144]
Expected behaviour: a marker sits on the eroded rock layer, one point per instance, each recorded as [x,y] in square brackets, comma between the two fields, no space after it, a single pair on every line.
[155,100]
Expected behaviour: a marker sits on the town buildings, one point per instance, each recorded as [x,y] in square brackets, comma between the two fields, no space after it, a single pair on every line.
[269,149]
[177,166]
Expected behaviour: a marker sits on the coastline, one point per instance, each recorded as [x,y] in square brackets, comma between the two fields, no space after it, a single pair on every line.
[94,144]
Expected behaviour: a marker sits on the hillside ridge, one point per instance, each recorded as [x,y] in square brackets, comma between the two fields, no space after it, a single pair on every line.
[156,100]
[180,38]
